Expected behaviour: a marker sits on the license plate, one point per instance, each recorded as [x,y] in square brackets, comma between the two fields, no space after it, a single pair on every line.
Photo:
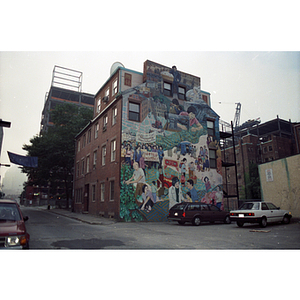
[176,214]
[241,215]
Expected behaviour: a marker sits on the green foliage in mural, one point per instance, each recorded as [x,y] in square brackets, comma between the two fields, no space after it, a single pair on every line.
[129,210]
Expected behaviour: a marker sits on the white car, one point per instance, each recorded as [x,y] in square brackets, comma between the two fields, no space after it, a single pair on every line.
[260,212]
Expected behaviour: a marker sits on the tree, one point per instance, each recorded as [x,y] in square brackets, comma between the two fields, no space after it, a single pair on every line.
[55,148]
[252,182]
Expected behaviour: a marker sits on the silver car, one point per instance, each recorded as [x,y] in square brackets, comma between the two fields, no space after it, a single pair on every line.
[260,212]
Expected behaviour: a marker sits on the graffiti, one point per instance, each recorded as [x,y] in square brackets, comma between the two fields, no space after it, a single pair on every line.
[168,155]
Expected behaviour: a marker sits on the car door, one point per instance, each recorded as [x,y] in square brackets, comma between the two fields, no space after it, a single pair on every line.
[205,213]
[276,214]
[216,213]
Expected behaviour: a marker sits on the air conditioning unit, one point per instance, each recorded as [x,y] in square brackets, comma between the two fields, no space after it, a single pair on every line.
[105,99]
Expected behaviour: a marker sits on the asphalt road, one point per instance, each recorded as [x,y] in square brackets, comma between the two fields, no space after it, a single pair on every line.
[51,231]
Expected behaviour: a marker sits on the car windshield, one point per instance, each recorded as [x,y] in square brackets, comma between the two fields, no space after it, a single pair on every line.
[9,212]
[179,206]
[249,206]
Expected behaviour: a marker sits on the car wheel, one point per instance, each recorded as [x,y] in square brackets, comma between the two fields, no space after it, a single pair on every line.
[263,222]
[181,222]
[240,224]
[196,221]
[227,220]
[286,220]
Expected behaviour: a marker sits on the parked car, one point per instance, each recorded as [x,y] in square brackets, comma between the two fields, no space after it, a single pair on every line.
[260,212]
[13,233]
[197,213]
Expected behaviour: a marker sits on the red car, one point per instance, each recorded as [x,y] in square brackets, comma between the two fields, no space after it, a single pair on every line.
[13,234]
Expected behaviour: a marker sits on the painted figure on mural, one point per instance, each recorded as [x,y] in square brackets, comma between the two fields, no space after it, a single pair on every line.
[147,196]
[137,179]
[175,193]
[176,79]
[192,190]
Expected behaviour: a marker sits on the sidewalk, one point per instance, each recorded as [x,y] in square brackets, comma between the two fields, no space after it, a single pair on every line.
[86,218]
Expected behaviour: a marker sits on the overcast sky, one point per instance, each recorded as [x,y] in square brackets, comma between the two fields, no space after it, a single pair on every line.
[265,83]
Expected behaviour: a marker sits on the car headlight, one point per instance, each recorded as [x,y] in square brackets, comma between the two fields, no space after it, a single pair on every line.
[12,241]
[16,241]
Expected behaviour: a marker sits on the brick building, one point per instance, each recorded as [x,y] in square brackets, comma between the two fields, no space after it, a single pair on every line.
[158,122]
[263,143]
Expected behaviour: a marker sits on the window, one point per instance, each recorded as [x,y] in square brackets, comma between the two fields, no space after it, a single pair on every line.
[205,99]
[134,112]
[167,89]
[181,93]
[115,87]
[103,155]
[112,190]
[94,158]
[82,167]
[212,158]
[127,79]
[89,136]
[99,105]
[114,118]
[96,130]
[264,206]
[77,169]
[210,128]
[113,147]
[270,148]
[78,145]
[88,164]
[107,93]
[84,141]
[93,192]
[102,191]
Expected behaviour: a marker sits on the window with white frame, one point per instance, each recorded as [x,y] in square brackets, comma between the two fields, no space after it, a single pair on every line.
[210,128]
[89,136]
[96,130]
[88,164]
[181,93]
[167,89]
[105,122]
[78,145]
[107,93]
[98,104]
[212,158]
[93,192]
[94,158]
[102,191]
[134,111]
[113,147]
[103,155]
[114,117]
[115,87]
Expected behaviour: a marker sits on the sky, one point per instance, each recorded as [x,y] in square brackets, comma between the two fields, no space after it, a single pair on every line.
[243,52]
[266,83]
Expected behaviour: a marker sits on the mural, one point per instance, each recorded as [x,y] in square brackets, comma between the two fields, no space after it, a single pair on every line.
[168,156]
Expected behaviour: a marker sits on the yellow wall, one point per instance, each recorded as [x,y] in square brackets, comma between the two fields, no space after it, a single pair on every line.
[283,186]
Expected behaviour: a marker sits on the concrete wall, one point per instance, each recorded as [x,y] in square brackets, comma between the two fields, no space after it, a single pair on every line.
[280,183]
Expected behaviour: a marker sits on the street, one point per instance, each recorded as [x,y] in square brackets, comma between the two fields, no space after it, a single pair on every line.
[51,231]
